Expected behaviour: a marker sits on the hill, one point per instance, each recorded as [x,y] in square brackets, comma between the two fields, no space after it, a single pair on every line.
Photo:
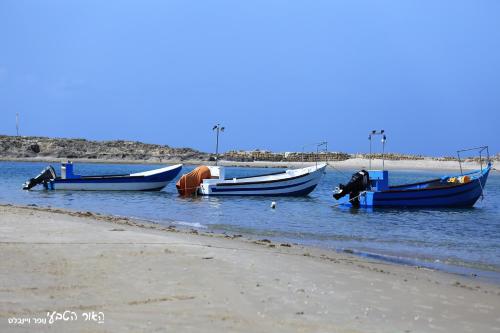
[29,147]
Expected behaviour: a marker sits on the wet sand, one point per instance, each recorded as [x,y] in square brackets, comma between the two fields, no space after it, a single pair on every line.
[146,277]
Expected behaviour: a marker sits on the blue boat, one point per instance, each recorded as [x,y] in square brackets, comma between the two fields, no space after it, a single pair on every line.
[371,189]
[448,191]
[141,181]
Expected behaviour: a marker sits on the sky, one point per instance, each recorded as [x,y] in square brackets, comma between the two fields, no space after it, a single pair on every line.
[278,75]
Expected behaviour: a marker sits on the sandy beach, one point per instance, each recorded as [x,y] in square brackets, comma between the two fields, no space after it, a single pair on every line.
[350,164]
[362,163]
[143,277]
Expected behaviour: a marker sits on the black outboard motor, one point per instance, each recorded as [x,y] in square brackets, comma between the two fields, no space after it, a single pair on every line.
[45,176]
[359,182]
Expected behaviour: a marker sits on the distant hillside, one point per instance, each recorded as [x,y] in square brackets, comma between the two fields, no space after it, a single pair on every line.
[61,148]
[43,148]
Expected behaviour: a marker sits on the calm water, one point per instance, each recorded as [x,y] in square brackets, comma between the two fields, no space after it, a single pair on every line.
[458,240]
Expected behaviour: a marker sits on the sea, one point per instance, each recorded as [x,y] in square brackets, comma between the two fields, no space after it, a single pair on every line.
[460,241]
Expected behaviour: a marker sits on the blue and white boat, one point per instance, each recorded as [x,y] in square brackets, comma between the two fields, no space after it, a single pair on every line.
[297,182]
[153,180]
[371,189]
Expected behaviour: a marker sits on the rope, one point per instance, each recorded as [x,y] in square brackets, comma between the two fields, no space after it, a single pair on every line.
[334,168]
[338,204]
[482,189]
[185,187]
[190,188]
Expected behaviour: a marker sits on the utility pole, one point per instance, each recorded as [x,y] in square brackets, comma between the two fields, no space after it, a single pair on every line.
[219,129]
[17,123]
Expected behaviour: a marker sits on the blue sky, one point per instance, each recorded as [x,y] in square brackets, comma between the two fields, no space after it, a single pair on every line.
[277,74]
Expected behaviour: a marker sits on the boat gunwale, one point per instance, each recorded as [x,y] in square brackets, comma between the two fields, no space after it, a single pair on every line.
[453,185]
[116,176]
[267,181]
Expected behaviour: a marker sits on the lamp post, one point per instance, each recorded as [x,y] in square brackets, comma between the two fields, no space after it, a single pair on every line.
[384,139]
[325,145]
[17,124]
[318,145]
[219,129]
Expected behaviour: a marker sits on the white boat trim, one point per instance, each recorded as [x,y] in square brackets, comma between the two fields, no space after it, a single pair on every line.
[156,171]
[290,182]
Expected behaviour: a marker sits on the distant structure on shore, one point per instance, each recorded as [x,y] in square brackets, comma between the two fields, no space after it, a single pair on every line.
[264,155]
[26,147]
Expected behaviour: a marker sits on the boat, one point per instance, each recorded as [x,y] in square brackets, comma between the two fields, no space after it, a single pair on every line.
[210,180]
[371,189]
[152,180]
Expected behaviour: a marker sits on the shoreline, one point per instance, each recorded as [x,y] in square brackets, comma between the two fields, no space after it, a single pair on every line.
[218,282]
[467,270]
[349,165]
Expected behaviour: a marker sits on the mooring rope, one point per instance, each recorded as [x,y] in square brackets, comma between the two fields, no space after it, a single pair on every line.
[482,189]
[334,168]
[343,203]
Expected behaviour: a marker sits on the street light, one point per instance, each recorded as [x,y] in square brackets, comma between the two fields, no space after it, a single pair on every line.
[318,145]
[218,128]
[325,149]
[384,139]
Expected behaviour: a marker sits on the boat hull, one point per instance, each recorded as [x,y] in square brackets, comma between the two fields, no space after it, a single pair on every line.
[460,196]
[102,186]
[153,180]
[295,184]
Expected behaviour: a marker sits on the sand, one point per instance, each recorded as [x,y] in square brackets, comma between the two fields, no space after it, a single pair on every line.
[362,163]
[350,164]
[141,277]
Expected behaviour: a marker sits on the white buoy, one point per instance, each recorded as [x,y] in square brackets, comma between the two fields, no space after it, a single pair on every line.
[273,204]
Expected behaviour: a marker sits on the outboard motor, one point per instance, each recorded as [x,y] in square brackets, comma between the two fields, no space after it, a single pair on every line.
[359,182]
[45,176]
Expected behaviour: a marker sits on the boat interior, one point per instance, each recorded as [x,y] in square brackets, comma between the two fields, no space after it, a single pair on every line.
[431,184]
[256,176]
[444,182]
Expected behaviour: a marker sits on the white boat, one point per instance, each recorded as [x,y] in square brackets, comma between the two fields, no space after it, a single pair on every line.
[141,181]
[298,182]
